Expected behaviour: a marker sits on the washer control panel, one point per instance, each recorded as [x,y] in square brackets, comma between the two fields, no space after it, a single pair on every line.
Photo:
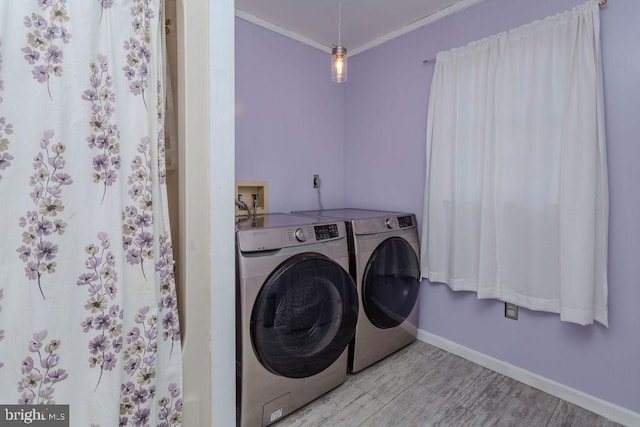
[287,233]
[313,233]
[328,231]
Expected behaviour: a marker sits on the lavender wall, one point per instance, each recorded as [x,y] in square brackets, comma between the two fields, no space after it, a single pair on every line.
[289,119]
[385,111]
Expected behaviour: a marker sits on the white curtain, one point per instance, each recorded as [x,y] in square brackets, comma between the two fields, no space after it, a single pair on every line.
[516,199]
[88,313]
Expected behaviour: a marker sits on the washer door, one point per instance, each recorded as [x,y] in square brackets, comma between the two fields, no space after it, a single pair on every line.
[391,283]
[304,316]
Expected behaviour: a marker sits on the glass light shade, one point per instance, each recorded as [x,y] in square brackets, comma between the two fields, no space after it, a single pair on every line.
[339,64]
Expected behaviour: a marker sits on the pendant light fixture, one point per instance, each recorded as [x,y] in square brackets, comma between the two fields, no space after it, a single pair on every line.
[339,54]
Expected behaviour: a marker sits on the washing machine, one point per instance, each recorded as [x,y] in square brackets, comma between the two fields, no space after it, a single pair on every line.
[384,262]
[297,308]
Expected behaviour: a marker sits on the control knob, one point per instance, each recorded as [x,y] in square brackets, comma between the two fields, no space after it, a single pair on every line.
[300,237]
[388,223]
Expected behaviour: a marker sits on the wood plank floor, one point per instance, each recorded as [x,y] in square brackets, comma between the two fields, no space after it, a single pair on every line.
[422,385]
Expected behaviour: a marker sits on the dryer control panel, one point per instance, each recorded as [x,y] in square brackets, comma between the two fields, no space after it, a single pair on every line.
[405,221]
[383,224]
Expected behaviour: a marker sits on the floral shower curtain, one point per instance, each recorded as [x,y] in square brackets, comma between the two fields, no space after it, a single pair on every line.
[88,312]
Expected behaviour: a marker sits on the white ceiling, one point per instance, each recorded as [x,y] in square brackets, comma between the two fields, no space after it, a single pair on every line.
[364,23]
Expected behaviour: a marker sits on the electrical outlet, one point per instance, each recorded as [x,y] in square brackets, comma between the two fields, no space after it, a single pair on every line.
[510,311]
[316,181]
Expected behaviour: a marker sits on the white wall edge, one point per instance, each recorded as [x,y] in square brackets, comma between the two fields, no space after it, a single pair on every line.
[221,141]
[456,7]
[594,404]
[192,32]
[282,31]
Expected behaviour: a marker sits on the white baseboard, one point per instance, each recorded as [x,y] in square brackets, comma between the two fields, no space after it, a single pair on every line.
[594,404]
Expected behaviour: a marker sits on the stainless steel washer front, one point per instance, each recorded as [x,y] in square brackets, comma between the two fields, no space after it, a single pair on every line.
[297,308]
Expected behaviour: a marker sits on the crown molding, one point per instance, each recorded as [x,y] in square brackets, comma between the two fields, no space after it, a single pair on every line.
[457,7]
[282,31]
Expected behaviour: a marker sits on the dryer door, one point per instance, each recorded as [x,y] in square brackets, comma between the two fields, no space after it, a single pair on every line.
[391,283]
[304,316]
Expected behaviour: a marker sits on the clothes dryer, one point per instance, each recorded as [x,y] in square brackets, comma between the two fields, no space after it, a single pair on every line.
[384,262]
[297,308]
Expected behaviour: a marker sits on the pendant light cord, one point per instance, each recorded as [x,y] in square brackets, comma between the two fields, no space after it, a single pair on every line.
[339,21]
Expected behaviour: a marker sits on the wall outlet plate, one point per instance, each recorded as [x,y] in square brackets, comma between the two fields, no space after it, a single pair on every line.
[510,311]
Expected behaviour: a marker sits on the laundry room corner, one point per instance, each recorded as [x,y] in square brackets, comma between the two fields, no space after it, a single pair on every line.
[289,120]
[366,139]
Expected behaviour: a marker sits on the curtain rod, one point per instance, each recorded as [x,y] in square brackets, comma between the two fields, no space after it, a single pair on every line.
[432,60]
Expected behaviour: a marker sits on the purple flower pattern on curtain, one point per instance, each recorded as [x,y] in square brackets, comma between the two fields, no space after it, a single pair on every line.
[162,169]
[139,392]
[119,322]
[43,50]
[137,48]
[6,129]
[138,220]
[168,301]
[105,135]
[104,315]
[164,266]
[39,375]
[40,225]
